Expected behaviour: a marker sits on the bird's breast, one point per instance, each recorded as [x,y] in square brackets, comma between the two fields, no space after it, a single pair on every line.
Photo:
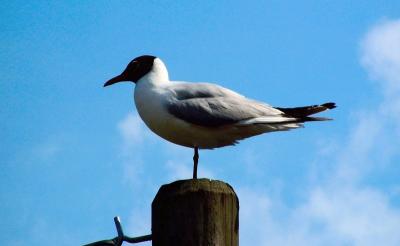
[150,104]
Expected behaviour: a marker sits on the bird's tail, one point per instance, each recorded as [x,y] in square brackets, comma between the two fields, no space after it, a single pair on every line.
[303,113]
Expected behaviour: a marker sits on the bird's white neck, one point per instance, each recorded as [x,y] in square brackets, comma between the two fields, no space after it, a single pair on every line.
[158,74]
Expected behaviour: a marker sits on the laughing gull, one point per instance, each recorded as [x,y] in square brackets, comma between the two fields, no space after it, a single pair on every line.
[204,115]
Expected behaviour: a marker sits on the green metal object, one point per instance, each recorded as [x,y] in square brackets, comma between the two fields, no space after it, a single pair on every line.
[117,241]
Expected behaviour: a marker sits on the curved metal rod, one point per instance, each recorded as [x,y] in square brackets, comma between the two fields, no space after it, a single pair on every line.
[117,241]
[137,239]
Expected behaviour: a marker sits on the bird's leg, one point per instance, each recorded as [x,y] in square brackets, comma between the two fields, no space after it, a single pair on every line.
[195,162]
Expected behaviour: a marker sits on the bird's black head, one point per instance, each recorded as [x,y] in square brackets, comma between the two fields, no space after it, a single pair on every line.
[135,70]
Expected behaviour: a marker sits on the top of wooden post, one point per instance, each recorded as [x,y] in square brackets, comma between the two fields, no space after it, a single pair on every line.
[195,212]
[194,185]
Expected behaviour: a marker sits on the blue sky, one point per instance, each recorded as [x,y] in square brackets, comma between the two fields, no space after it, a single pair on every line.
[73,154]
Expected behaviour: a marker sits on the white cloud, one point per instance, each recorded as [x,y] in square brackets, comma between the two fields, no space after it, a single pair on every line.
[381,54]
[178,170]
[44,152]
[354,158]
[139,223]
[41,232]
[47,150]
[372,139]
[332,215]
[132,130]
[381,58]
[132,168]
[180,164]
[359,216]
[134,136]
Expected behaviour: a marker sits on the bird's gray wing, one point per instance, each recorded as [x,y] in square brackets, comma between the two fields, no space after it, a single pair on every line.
[213,106]
[184,90]
[220,111]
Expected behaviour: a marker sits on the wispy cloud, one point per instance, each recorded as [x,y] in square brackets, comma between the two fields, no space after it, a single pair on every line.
[44,152]
[381,54]
[331,215]
[133,131]
[178,170]
[134,134]
[353,214]
[179,164]
[381,58]
[47,150]
[135,139]
[41,232]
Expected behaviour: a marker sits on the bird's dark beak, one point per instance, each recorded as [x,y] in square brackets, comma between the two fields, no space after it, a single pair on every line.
[116,79]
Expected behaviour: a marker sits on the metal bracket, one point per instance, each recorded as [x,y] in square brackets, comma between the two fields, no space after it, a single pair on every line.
[117,241]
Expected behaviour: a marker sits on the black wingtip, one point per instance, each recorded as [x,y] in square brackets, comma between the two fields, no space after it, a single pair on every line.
[329,105]
[305,119]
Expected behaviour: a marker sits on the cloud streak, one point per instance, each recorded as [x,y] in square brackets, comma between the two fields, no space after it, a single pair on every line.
[381,54]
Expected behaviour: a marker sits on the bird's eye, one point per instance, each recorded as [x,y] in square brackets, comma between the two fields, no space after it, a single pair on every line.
[133,65]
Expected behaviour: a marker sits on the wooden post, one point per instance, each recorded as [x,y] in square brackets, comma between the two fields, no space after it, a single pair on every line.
[195,212]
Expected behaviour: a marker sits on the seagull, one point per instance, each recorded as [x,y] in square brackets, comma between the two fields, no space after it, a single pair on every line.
[204,115]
